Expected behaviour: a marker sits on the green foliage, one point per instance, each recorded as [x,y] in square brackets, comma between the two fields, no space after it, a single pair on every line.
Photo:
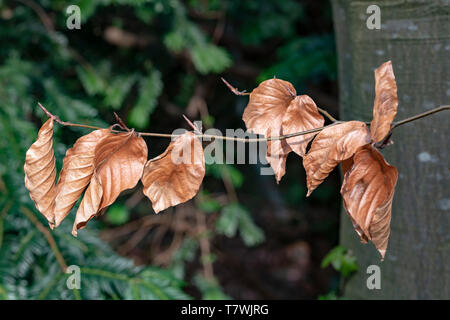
[220,170]
[210,288]
[304,58]
[342,260]
[329,296]
[210,58]
[206,56]
[113,89]
[186,253]
[233,217]
[117,214]
[207,204]
[150,88]
[262,20]
[345,263]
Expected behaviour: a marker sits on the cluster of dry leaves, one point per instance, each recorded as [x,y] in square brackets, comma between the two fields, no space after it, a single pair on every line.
[103,163]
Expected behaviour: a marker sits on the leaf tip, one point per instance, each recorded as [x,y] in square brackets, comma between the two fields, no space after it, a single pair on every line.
[382,253]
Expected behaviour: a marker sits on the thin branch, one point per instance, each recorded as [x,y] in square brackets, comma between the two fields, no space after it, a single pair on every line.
[51,241]
[68,124]
[193,126]
[122,124]
[235,90]
[245,140]
[419,116]
[46,20]
[326,114]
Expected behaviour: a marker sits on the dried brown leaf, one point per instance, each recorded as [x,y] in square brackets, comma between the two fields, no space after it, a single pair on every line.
[276,155]
[368,190]
[347,165]
[40,172]
[119,160]
[175,176]
[331,146]
[267,105]
[386,101]
[301,115]
[89,206]
[77,170]
[264,115]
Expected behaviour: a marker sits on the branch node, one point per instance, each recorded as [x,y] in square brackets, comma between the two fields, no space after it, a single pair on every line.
[235,90]
[122,124]
[193,126]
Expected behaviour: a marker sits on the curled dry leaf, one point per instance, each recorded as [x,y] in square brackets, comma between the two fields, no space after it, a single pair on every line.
[175,176]
[89,206]
[40,172]
[119,160]
[267,105]
[264,115]
[368,190]
[276,155]
[331,146]
[77,170]
[386,101]
[301,115]
[347,165]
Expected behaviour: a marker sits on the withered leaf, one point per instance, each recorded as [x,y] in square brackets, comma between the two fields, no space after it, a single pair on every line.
[40,172]
[347,165]
[301,115]
[89,206]
[175,176]
[77,170]
[368,190]
[264,115]
[119,160]
[276,155]
[331,146]
[267,105]
[386,101]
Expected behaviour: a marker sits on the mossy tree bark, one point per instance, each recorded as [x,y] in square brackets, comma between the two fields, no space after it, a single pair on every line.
[415,35]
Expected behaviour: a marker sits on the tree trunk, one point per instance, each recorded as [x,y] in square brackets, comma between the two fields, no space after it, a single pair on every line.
[415,35]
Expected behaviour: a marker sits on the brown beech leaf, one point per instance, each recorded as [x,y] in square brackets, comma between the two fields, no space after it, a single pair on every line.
[264,115]
[175,176]
[77,170]
[277,152]
[40,172]
[347,165]
[301,115]
[89,206]
[386,101]
[267,105]
[119,161]
[368,190]
[331,146]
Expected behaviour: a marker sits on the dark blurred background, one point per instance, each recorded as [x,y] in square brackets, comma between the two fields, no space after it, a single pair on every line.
[243,236]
